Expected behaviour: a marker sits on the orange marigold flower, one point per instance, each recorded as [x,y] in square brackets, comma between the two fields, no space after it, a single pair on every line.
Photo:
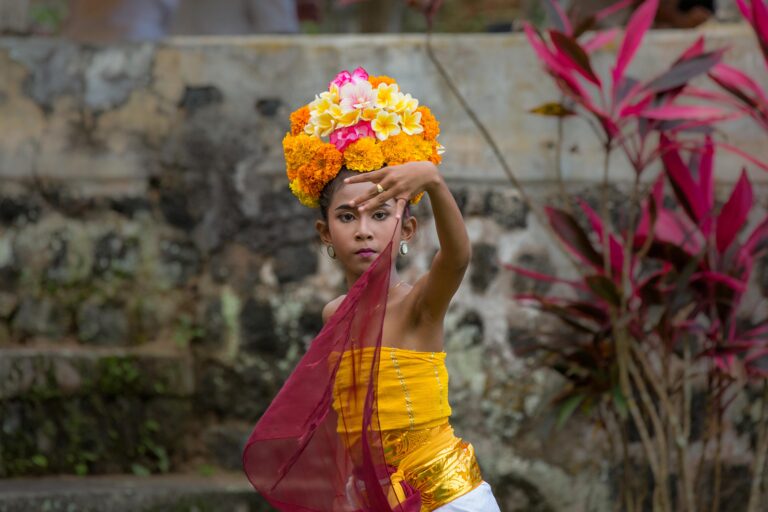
[299,150]
[312,177]
[402,148]
[415,199]
[303,198]
[299,119]
[381,79]
[435,157]
[429,123]
[363,155]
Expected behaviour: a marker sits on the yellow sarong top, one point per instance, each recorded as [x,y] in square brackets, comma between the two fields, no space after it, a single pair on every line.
[412,389]
[413,414]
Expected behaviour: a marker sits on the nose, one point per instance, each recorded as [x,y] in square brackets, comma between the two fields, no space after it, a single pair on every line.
[363,232]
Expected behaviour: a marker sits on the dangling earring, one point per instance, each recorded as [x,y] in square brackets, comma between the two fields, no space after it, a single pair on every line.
[403,247]
[331,252]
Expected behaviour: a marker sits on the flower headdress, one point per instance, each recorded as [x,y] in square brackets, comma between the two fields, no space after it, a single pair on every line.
[369,124]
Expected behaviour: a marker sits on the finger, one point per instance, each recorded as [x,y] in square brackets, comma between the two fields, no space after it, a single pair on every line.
[370,194]
[362,177]
[400,207]
[379,199]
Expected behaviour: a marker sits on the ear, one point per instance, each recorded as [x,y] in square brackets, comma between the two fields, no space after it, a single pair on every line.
[408,231]
[324,231]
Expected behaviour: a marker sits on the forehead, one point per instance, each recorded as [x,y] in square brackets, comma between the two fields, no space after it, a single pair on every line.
[350,191]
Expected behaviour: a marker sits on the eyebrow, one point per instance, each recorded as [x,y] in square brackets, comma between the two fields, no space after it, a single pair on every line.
[345,206]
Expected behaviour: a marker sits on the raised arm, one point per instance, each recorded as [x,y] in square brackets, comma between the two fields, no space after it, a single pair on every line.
[438,286]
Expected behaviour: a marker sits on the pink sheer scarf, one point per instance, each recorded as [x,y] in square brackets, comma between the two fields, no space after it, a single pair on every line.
[295,457]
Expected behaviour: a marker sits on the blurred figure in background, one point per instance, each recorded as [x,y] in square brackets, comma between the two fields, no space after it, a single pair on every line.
[235,17]
[106,21]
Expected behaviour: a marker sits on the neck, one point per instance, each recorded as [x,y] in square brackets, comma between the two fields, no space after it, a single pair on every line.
[394,278]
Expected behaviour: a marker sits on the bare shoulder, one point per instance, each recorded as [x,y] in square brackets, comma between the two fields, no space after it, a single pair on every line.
[330,308]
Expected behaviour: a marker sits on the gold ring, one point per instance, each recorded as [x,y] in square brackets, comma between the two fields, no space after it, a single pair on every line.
[379,188]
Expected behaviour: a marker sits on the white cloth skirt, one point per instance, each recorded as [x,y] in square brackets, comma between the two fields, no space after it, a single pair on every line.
[480,499]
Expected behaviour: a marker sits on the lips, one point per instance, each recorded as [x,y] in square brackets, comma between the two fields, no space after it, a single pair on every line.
[366,252]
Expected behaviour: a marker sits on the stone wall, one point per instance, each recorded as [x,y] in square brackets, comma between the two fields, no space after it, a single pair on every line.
[158,281]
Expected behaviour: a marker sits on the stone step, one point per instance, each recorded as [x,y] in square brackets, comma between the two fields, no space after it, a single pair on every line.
[86,412]
[58,372]
[226,492]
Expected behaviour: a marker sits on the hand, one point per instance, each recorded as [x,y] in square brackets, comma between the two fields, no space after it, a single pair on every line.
[400,182]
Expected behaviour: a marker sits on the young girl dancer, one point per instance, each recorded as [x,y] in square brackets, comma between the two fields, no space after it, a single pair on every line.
[362,422]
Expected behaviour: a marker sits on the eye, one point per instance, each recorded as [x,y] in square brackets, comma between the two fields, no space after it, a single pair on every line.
[380,215]
[346,217]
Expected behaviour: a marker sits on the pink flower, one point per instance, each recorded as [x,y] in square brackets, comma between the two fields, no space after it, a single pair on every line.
[343,137]
[358,75]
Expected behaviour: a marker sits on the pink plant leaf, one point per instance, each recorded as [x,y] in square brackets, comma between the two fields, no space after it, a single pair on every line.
[569,231]
[544,277]
[733,78]
[616,249]
[760,24]
[635,32]
[687,112]
[600,39]
[558,17]
[755,239]
[679,231]
[734,213]
[686,189]
[636,108]
[760,330]
[717,277]
[745,10]
[696,49]
[649,214]
[683,71]
[706,185]
[552,64]
[574,55]
[608,11]
[753,159]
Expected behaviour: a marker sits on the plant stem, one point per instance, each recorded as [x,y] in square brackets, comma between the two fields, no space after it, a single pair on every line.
[718,447]
[758,464]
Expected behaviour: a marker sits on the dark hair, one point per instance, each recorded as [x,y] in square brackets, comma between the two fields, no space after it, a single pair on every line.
[334,185]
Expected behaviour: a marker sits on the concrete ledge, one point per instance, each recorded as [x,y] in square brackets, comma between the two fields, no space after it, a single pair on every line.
[169,493]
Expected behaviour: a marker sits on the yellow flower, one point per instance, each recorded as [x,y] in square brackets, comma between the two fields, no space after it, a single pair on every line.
[386,124]
[387,95]
[369,114]
[320,105]
[405,102]
[363,155]
[324,123]
[342,117]
[411,122]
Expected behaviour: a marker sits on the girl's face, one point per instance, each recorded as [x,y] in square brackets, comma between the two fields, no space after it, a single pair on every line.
[359,237]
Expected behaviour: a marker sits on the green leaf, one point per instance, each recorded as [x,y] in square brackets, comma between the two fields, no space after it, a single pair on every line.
[567,409]
[605,289]
[619,402]
[552,108]
[573,236]
[40,460]
[140,470]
